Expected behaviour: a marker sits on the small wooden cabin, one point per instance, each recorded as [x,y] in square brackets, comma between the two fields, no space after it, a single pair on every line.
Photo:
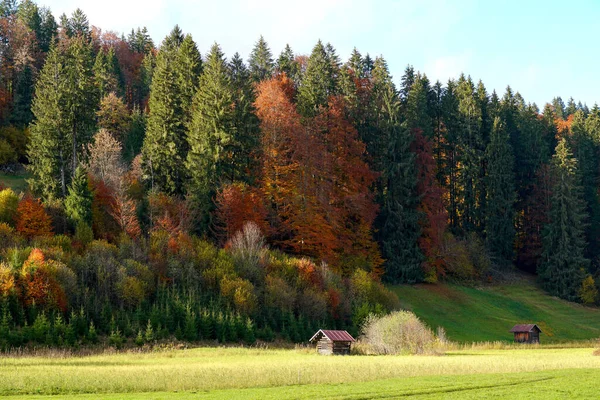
[332,342]
[526,333]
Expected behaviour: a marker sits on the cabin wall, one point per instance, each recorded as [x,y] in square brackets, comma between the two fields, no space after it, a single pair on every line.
[325,346]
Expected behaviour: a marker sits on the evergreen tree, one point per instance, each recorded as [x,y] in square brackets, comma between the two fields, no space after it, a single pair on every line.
[261,61]
[450,116]
[64,110]
[399,219]
[104,73]
[417,114]
[188,68]
[563,262]
[246,124]
[48,29]
[164,149]
[407,81]
[287,63]
[215,149]
[78,203]
[499,224]
[585,150]
[318,82]
[470,147]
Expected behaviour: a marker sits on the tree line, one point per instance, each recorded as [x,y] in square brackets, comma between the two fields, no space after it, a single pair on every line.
[328,159]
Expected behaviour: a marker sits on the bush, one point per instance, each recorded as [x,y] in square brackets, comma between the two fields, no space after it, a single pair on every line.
[400,332]
[9,202]
[588,293]
[7,153]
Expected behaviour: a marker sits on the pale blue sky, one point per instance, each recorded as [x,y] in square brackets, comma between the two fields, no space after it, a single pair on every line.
[541,48]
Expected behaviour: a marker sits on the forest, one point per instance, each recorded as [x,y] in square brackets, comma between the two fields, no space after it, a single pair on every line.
[208,197]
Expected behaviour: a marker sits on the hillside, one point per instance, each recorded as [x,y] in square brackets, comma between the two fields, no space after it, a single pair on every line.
[487,314]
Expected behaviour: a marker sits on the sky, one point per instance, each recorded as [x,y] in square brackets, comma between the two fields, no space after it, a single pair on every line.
[541,48]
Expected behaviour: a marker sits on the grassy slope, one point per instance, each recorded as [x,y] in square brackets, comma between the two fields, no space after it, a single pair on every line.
[487,314]
[16,182]
[226,373]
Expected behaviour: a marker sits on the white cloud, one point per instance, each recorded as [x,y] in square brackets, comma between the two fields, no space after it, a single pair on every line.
[446,67]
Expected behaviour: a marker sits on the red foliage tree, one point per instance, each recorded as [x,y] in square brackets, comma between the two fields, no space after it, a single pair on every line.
[104,224]
[237,204]
[32,219]
[434,217]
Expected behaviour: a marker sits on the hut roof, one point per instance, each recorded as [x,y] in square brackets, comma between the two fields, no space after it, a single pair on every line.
[524,328]
[334,336]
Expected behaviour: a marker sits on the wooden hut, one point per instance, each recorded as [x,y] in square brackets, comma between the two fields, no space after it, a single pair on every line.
[332,342]
[526,333]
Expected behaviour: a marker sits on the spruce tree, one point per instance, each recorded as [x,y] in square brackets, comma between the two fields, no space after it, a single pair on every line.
[164,149]
[104,73]
[246,124]
[563,263]
[261,61]
[214,147]
[417,113]
[78,203]
[49,149]
[585,150]
[398,222]
[318,82]
[500,184]
[470,147]
[188,67]
[64,114]
[287,63]
[400,229]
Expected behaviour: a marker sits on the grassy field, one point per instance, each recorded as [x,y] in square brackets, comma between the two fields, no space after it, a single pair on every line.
[16,182]
[224,373]
[487,314]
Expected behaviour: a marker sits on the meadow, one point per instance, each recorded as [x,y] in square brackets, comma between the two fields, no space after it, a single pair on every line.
[224,373]
[480,314]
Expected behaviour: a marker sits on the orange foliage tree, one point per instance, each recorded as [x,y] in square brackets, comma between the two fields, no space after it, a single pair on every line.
[315,180]
[39,286]
[32,219]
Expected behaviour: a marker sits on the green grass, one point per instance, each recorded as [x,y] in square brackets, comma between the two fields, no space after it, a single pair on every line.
[226,373]
[16,182]
[487,314]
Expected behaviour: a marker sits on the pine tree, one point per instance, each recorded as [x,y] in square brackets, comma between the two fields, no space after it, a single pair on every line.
[261,61]
[318,82]
[78,203]
[499,224]
[563,263]
[164,149]
[215,149]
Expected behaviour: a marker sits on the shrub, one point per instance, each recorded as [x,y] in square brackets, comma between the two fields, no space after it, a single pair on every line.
[588,293]
[246,247]
[7,153]
[9,202]
[400,332]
